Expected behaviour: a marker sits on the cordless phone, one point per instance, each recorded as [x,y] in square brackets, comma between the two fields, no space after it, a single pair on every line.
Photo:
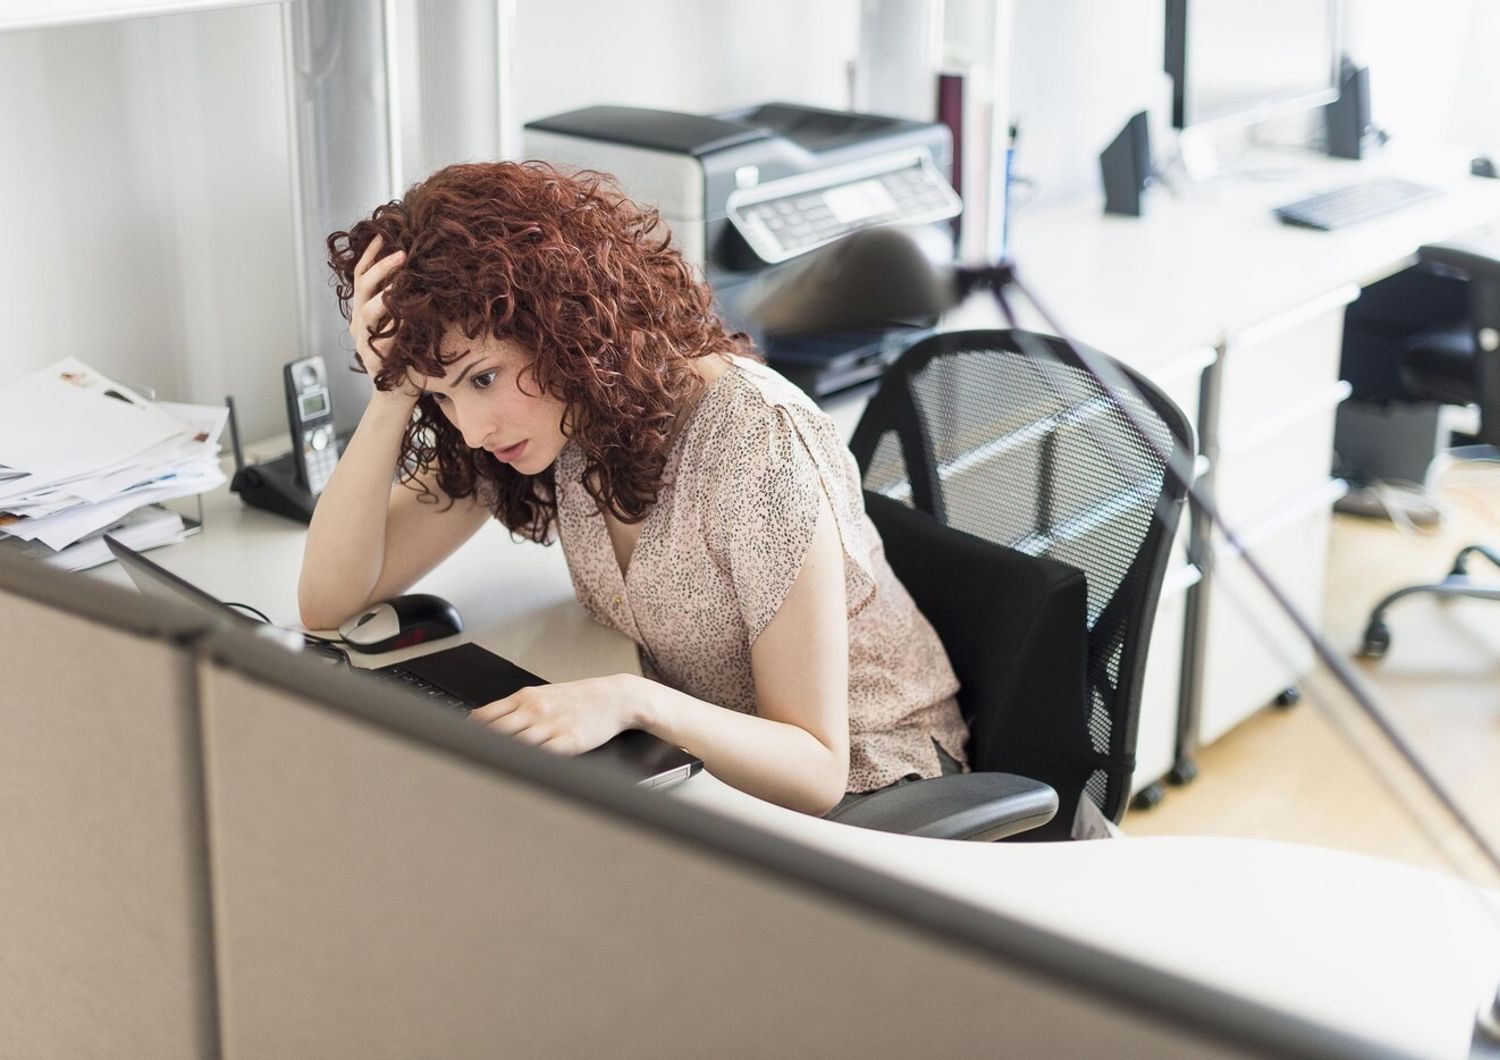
[314,446]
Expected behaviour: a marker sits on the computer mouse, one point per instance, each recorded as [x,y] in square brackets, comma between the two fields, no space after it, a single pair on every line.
[401,622]
[1483,166]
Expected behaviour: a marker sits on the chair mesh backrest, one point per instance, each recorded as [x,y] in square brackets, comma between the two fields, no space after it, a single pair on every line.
[1030,452]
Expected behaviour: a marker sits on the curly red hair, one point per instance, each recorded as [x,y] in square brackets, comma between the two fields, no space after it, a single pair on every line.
[570,268]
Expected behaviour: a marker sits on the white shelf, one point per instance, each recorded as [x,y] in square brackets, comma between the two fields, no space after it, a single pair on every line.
[46,14]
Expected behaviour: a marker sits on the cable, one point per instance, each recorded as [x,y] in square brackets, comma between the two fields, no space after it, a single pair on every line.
[327,649]
[257,612]
[324,646]
[313,638]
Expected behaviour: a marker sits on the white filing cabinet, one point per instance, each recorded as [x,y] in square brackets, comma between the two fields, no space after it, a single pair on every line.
[1267,425]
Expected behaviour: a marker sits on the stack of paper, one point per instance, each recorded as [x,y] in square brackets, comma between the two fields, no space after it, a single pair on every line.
[80,454]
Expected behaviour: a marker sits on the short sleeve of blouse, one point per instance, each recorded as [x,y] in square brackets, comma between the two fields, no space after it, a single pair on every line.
[770,464]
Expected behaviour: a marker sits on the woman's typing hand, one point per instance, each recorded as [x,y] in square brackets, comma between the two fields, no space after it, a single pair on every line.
[568,718]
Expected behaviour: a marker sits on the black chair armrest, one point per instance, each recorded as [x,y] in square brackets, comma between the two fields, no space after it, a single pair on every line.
[977,806]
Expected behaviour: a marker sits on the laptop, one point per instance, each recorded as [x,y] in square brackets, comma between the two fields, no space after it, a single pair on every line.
[459,678]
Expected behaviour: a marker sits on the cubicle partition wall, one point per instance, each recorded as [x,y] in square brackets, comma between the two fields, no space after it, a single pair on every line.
[104,919]
[215,847]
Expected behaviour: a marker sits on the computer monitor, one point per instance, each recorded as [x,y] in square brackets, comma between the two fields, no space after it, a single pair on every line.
[1237,62]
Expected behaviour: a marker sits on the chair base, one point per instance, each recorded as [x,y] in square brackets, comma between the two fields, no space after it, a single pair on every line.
[1458,583]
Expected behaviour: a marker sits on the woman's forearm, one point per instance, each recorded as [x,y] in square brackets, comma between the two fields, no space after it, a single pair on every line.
[345,549]
[773,760]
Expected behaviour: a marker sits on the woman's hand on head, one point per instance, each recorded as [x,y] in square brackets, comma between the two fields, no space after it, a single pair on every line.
[368,313]
[568,718]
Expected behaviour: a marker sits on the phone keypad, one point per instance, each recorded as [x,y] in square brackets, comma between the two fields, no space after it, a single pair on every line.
[320,454]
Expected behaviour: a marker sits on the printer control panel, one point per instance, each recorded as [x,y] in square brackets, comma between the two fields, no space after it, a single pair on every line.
[785,218]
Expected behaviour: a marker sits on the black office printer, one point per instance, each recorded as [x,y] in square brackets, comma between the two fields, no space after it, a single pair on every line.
[749,190]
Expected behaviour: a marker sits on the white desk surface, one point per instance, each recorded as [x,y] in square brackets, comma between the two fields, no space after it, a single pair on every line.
[1398,954]
[1211,260]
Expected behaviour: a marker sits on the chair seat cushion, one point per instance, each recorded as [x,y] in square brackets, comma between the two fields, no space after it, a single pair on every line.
[1441,365]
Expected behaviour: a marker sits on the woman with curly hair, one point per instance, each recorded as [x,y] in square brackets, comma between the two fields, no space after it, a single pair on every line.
[543,356]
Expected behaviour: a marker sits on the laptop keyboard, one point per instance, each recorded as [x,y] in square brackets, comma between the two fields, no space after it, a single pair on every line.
[400,675]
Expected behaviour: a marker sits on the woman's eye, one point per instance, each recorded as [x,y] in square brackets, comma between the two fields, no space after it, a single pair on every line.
[437,399]
[483,380]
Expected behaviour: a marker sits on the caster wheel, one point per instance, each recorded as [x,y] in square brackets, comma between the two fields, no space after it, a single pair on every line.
[1289,697]
[1377,640]
[1148,796]
[1183,771]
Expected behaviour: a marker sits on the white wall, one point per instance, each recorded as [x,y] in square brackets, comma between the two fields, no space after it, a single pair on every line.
[448,83]
[1434,67]
[148,204]
[689,55]
[1079,69]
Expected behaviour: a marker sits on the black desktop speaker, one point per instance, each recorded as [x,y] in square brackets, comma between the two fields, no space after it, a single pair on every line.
[1126,167]
[1348,117]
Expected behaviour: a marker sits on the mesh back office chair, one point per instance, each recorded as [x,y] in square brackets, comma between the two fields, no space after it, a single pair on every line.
[1456,363]
[1030,457]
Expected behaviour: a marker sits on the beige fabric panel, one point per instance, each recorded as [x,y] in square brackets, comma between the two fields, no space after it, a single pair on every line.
[103,907]
[379,899]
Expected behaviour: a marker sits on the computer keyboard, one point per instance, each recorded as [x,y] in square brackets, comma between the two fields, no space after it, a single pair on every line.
[1354,203]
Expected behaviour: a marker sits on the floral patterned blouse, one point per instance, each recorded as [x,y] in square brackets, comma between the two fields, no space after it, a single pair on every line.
[719,552]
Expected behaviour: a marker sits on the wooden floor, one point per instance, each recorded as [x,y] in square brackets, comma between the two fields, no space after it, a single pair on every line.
[1319,772]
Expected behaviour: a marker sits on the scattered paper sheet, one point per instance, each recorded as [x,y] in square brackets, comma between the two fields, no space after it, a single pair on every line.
[59,421]
[145,528]
[81,452]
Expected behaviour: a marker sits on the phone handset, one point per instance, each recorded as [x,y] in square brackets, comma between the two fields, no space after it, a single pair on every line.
[309,410]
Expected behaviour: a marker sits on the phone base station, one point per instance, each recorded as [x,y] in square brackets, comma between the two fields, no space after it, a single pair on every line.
[274,487]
